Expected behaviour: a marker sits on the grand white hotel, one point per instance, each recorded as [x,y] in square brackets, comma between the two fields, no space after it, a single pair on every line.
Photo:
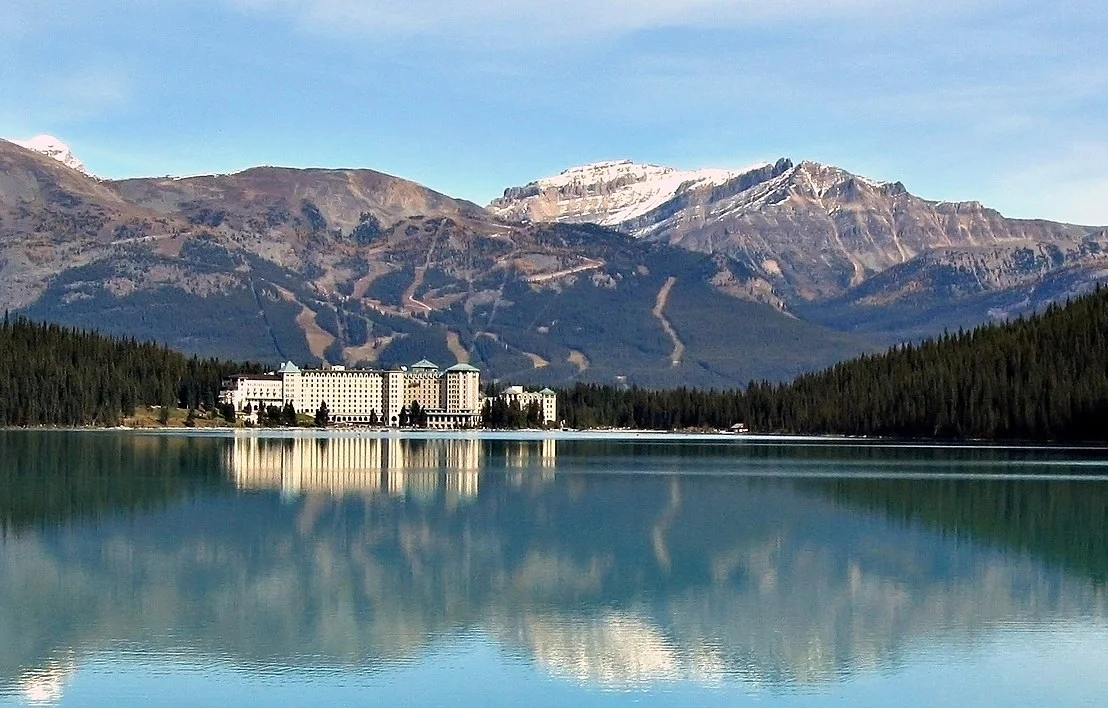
[451,397]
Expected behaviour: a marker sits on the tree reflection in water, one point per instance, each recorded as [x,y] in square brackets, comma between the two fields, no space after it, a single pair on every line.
[611,563]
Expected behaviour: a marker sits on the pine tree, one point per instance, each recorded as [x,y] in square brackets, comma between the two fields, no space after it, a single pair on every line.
[228,412]
[417,416]
[1042,377]
[272,416]
[288,415]
[53,375]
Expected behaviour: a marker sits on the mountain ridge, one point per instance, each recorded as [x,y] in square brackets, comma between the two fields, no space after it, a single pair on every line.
[712,278]
[809,233]
[55,149]
[358,267]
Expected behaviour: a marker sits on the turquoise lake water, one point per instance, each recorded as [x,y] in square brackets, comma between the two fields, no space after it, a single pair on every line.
[563,570]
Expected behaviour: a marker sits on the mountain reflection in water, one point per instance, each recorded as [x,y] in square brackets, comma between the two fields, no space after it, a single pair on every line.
[356,553]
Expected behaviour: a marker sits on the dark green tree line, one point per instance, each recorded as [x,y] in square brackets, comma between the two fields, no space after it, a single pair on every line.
[500,414]
[53,375]
[1043,377]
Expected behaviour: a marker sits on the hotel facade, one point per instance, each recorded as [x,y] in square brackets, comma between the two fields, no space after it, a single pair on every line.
[450,397]
[546,399]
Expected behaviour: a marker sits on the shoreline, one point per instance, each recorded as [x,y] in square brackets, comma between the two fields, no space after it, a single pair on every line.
[565,434]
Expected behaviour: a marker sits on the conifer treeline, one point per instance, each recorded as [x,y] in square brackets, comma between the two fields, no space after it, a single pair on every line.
[53,375]
[1040,378]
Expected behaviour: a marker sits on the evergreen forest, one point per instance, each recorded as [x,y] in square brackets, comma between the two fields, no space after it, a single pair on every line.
[1039,378]
[54,375]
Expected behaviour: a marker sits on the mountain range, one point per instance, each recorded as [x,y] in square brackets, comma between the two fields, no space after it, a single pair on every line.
[840,249]
[612,272]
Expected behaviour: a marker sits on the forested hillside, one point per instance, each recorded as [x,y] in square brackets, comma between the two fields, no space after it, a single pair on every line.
[1040,378]
[52,375]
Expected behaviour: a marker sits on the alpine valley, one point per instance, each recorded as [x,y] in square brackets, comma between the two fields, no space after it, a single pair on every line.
[613,272]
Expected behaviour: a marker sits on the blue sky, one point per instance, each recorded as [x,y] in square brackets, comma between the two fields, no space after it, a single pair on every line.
[1002,102]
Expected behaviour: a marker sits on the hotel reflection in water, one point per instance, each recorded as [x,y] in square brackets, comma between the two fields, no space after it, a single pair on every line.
[367,465]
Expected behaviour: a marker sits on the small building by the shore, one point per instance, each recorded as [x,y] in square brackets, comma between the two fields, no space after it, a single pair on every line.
[546,398]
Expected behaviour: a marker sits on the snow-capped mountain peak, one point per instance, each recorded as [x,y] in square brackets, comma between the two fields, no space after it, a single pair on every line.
[52,147]
[607,193]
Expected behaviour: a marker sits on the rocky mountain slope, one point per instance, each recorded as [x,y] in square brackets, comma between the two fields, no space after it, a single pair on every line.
[354,266]
[816,239]
[606,193]
[53,148]
[614,272]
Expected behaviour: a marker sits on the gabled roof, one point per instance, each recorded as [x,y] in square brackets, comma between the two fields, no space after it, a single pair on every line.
[287,368]
[424,364]
[463,367]
[547,392]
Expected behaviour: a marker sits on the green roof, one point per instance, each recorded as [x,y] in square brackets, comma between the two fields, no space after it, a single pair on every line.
[463,367]
[424,364]
[546,391]
[287,368]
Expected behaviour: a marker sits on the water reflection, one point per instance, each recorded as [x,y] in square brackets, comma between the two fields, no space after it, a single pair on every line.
[338,465]
[52,477]
[355,554]
[46,684]
[355,465]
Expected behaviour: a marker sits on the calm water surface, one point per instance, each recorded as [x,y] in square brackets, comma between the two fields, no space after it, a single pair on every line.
[169,569]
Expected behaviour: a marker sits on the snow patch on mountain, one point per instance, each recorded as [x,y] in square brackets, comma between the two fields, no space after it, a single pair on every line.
[663,203]
[51,147]
[607,193]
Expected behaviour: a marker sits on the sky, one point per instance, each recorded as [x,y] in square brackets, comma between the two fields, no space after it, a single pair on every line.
[1005,102]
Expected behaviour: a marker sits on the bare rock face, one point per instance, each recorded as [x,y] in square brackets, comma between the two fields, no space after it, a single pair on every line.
[358,267]
[52,217]
[807,232]
[605,193]
[339,197]
[614,272]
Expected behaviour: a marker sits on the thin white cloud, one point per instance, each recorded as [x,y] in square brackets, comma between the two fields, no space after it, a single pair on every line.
[512,22]
[964,93]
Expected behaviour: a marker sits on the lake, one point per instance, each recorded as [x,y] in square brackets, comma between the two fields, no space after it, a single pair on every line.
[547,570]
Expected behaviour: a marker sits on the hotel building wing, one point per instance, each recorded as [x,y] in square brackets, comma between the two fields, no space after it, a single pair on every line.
[368,396]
